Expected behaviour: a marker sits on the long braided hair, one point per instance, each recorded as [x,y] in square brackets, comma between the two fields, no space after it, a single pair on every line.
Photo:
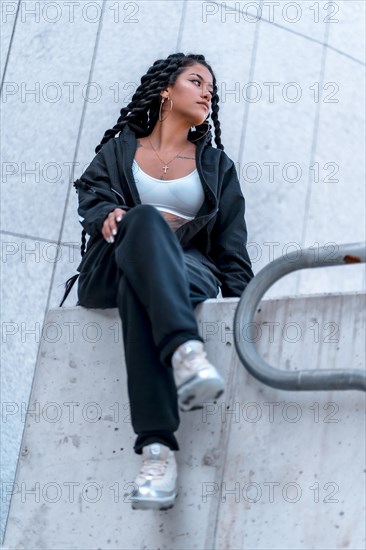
[143,110]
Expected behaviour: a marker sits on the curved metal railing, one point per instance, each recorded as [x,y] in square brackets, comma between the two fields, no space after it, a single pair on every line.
[324,379]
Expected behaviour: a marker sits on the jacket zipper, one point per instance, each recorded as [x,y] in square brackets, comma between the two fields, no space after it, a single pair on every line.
[120,195]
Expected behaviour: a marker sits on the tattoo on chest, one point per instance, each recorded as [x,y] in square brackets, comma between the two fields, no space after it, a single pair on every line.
[182,157]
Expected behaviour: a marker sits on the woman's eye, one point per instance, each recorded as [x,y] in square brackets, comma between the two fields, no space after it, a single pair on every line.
[199,82]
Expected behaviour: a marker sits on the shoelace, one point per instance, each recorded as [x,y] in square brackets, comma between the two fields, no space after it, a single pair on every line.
[156,468]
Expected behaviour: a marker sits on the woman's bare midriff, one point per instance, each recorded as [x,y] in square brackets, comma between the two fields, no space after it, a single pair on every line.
[173,221]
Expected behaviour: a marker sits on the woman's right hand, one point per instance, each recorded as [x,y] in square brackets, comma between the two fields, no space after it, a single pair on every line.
[110,226]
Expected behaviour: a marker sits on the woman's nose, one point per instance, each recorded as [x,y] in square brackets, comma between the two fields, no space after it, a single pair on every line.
[206,95]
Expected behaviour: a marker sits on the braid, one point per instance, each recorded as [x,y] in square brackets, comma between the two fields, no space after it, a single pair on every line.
[215,118]
[143,110]
[146,97]
[83,242]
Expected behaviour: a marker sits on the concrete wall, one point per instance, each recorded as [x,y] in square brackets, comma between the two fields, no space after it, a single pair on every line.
[262,469]
[314,140]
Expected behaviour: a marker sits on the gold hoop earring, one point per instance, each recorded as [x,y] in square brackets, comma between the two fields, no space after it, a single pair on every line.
[161,104]
[208,129]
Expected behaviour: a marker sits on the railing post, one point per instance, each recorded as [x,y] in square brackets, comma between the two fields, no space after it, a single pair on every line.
[325,379]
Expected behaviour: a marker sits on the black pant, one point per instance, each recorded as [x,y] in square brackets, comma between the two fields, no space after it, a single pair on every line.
[156,284]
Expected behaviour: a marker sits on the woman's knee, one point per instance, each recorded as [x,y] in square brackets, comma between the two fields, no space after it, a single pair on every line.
[142,219]
[138,218]
[142,211]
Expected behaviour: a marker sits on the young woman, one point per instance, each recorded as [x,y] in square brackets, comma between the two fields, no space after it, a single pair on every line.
[165,214]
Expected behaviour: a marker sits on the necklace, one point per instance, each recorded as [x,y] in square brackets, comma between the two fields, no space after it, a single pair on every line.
[165,164]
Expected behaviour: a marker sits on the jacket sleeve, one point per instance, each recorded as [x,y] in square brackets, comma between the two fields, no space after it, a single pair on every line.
[229,238]
[95,195]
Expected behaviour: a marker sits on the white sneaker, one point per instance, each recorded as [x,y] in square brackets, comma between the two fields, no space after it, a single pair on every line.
[157,481]
[196,379]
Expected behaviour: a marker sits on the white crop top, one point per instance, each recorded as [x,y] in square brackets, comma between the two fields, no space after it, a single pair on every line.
[183,196]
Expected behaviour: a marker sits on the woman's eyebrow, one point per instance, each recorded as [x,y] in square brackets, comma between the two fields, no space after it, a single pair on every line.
[200,77]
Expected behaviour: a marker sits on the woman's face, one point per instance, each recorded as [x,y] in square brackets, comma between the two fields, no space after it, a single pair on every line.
[193,86]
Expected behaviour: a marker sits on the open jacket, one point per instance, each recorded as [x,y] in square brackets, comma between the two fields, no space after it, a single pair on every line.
[217,235]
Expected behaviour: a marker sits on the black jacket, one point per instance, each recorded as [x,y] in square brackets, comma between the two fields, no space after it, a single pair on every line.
[217,234]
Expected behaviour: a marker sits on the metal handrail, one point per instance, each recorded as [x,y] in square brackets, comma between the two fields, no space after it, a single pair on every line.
[324,379]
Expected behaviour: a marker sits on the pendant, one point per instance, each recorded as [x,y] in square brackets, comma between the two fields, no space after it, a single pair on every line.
[165,168]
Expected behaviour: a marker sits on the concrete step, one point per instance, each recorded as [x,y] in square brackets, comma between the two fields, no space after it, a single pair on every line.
[261,468]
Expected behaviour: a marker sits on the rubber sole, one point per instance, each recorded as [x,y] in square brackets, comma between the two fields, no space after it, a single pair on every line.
[154,505]
[194,393]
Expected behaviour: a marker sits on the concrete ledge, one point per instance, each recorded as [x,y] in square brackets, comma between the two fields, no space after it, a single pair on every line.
[263,468]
